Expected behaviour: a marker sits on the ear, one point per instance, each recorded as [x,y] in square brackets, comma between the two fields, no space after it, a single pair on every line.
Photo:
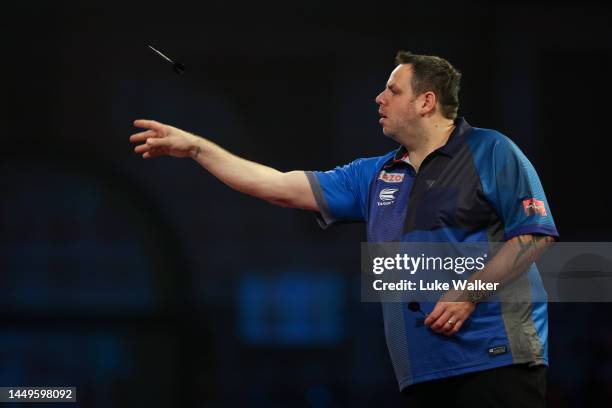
[428,103]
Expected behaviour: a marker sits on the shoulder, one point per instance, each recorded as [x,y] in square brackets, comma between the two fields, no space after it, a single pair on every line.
[491,143]
[488,138]
[374,163]
[365,166]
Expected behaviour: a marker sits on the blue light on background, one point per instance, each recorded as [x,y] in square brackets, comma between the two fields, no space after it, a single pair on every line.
[295,308]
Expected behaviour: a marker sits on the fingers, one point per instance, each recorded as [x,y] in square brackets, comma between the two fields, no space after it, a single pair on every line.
[454,328]
[143,148]
[438,319]
[443,325]
[151,144]
[149,124]
[435,313]
[157,142]
[440,324]
[153,153]
[451,328]
[154,147]
[143,136]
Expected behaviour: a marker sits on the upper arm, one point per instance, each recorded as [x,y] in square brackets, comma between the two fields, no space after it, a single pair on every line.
[512,186]
[338,195]
[341,194]
[294,191]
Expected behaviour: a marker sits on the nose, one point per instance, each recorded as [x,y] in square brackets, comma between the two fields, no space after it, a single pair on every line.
[379,99]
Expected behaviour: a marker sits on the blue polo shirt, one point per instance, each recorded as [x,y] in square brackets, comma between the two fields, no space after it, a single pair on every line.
[479,187]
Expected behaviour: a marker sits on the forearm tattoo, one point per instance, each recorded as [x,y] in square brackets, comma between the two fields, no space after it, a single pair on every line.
[526,243]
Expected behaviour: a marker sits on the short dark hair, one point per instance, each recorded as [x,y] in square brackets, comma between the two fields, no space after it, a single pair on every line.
[431,73]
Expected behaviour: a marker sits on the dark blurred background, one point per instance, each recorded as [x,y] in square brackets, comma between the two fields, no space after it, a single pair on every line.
[150,283]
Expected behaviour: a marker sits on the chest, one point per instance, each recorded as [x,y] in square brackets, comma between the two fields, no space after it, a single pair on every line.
[445,193]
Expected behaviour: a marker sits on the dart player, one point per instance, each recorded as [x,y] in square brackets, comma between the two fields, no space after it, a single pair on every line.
[447,181]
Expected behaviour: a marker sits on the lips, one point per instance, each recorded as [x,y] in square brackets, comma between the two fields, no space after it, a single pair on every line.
[382,117]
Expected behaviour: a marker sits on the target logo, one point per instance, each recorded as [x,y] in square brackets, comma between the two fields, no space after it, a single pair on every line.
[387,196]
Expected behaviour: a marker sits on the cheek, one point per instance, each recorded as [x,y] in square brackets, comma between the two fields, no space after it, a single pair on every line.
[408,112]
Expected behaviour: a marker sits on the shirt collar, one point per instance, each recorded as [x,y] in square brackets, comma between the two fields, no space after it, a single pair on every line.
[452,146]
[457,137]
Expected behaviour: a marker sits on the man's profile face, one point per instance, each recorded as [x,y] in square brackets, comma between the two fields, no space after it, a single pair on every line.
[397,103]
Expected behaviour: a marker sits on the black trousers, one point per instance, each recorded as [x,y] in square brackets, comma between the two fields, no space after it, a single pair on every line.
[509,386]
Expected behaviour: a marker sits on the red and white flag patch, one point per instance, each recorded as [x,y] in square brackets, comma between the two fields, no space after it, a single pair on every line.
[534,206]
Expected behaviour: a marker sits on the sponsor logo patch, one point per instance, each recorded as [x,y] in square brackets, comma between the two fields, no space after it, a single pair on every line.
[391,177]
[387,196]
[497,350]
[533,206]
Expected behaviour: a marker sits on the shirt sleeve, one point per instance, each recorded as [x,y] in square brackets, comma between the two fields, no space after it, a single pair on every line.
[514,189]
[341,193]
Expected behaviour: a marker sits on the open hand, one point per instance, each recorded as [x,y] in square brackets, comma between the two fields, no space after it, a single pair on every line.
[163,140]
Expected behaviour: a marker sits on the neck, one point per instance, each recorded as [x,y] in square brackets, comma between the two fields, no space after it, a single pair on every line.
[429,136]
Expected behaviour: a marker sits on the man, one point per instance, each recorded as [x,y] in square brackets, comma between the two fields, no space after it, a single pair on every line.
[446,182]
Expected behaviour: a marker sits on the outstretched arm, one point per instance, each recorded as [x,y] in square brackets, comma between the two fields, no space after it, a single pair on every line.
[290,189]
